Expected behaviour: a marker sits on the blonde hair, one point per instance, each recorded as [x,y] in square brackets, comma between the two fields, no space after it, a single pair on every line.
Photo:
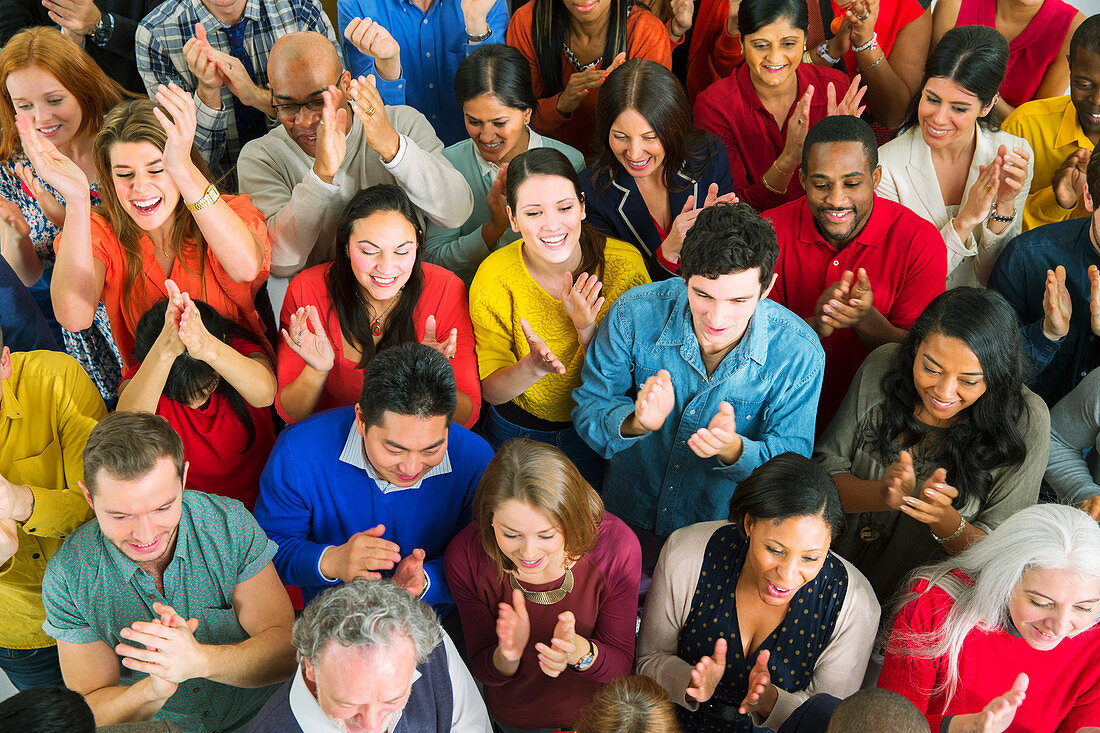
[540,476]
[67,62]
[634,704]
[134,122]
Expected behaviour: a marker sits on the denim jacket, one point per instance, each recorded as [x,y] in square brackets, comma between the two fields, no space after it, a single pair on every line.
[772,378]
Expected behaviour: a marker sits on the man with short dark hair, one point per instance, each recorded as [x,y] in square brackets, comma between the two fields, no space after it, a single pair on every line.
[166,605]
[724,379]
[877,710]
[378,489]
[858,267]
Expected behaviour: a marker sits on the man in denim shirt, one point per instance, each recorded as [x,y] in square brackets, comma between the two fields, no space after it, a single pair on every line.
[723,378]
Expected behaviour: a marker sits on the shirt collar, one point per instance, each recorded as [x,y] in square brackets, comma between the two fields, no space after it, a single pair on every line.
[9,405]
[127,568]
[354,454]
[308,713]
[872,233]
[492,170]
[1070,132]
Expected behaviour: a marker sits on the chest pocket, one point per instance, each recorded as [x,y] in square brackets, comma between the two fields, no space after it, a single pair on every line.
[44,468]
[748,415]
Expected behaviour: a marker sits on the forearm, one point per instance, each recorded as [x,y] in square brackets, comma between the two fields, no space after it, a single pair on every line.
[19,252]
[860,495]
[507,383]
[252,378]
[504,666]
[874,330]
[142,393]
[238,250]
[261,660]
[73,290]
[464,409]
[129,704]
[966,538]
[300,397]
[887,93]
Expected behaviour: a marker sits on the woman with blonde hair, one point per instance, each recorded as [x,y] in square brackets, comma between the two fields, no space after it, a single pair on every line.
[546,584]
[1004,634]
[51,82]
[160,218]
[634,704]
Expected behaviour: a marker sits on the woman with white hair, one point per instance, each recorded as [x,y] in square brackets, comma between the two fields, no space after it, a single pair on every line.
[1004,634]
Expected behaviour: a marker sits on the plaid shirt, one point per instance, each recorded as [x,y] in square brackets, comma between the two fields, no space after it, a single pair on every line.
[159,44]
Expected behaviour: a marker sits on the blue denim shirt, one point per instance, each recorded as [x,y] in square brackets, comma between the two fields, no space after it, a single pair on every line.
[1020,275]
[772,378]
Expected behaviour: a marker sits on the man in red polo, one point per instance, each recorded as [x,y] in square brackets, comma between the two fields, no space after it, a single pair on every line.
[859,268]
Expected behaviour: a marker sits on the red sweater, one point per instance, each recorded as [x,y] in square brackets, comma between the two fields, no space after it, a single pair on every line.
[604,601]
[1063,692]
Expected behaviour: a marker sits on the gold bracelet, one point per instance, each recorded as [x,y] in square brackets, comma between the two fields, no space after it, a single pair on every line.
[780,170]
[764,180]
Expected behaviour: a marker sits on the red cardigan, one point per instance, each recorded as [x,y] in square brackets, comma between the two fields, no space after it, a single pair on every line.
[1063,692]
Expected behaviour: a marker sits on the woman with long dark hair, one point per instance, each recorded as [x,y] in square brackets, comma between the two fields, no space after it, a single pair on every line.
[378,292]
[493,89]
[535,305]
[951,164]
[747,618]
[571,49]
[212,379]
[938,441]
[655,171]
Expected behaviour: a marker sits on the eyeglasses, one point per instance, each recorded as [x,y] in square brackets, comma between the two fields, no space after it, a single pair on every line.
[290,110]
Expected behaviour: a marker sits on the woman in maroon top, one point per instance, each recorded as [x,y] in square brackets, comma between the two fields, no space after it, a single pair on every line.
[1038,33]
[546,584]
[213,382]
[763,109]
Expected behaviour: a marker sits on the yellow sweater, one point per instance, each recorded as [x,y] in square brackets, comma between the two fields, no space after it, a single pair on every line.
[503,291]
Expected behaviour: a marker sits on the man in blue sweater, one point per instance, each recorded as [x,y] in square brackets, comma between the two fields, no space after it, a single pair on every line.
[378,489]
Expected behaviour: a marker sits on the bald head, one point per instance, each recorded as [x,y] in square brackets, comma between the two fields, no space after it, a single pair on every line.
[295,52]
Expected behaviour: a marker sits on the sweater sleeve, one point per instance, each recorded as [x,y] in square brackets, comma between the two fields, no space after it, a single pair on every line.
[617,615]
[492,331]
[1074,428]
[910,675]
[434,185]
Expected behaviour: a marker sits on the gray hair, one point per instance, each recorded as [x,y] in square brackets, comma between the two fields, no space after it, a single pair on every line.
[365,613]
[1044,537]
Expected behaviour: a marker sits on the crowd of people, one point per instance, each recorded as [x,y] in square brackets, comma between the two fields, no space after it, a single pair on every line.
[567,365]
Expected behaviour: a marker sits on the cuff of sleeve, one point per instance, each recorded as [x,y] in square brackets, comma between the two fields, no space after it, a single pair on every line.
[52,514]
[72,636]
[667,264]
[751,452]
[1038,339]
[945,724]
[614,426]
[675,41]
[207,117]
[315,180]
[1080,494]
[402,146]
[259,563]
[427,585]
[324,578]
[1045,207]
[392,91]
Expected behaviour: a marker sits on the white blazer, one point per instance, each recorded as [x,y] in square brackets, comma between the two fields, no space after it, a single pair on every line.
[909,178]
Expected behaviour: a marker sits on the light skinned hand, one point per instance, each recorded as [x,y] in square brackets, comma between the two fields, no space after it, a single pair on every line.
[200,343]
[997,716]
[77,18]
[200,62]
[371,39]
[513,627]
[1057,306]
[362,556]
[851,303]
[1091,506]
[708,673]
[861,17]
[759,681]
[719,438]
[180,129]
[899,481]
[1013,175]
[366,103]
[11,214]
[49,204]
[475,14]
[655,401]
[554,658]
[540,358]
[409,573]
[448,347]
[168,650]
[305,336]
[168,341]
[581,301]
[850,103]
[979,199]
[9,540]
[51,165]
[683,14]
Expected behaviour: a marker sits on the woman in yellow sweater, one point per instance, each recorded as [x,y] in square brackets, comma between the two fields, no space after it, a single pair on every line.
[535,305]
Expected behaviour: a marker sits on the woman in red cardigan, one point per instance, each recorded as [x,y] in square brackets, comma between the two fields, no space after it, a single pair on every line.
[378,292]
[1003,636]
[572,45]
[546,584]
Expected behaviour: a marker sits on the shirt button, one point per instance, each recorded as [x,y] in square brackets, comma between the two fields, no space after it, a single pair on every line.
[30,529]
[35,556]
[427,54]
[836,263]
[677,465]
[424,22]
[431,86]
[691,412]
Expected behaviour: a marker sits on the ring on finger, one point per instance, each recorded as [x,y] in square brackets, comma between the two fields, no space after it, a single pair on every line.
[863,17]
[989,187]
[371,111]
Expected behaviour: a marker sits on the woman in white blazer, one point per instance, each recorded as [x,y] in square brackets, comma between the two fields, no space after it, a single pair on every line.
[951,165]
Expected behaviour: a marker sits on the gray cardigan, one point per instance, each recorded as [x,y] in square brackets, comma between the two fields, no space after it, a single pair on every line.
[1075,427]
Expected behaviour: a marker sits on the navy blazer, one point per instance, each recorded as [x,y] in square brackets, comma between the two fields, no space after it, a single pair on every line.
[619,211]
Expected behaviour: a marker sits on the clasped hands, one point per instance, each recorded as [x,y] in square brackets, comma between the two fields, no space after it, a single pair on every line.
[214,69]
[1058,307]
[168,651]
[844,304]
[654,404]
[566,647]
[932,506]
[760,695]
[366,554]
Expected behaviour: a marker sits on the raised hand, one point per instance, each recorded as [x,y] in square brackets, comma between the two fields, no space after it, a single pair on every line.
[1091,506]
[201,63]
[50,206]
[236,79]
[332,139]
[362,556]
[77,18]
[367,105]
[12,215]
[498,203]
[708,673]
[200,343]
[861,17]
[979,199]
[475,14]
[1068,181]
[719,438]
[850,103]
[306,337]
[655,401]
[932,505]
[583,82]
[170,651]
[899,481]
[683,12]
[1057,306]
[850,302]
[51,165]
[581,301]
[1014,166]
[760,681]
[513,628]
[409,573]
[554,658]
[371,39]
[998,715]
[797,127]
[447,347]
[180,129]
[540,358]
[168,341]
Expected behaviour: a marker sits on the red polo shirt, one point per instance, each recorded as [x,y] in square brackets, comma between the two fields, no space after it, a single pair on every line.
[906,262]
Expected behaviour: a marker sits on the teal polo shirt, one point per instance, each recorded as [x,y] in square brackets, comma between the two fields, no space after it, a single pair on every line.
[92,591]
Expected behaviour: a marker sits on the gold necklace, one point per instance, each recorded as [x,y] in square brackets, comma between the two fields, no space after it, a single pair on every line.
[544,597]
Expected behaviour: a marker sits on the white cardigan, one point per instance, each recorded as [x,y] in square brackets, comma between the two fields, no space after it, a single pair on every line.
[909,178]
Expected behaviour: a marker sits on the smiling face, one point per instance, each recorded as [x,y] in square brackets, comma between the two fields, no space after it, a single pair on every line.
[722,307]
[382,250]
[1084,90]
[146,191]
[37,94]
[636,146]
[840,189]
[1050,605]
[534,544]
[402,448]
[947,113]
[499,132]
[774,52]
[140,516]
[784,555]
[360,689]
[588,11]
[548,215]
[948,378]
[302,84]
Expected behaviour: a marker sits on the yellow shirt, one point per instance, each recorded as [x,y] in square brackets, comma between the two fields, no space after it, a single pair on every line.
[503,291]
[1051,126]
[48,406]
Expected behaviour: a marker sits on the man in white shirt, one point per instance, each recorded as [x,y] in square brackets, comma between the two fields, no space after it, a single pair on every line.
[371,659]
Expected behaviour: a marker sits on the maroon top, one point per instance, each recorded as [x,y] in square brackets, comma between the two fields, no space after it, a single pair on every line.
[1032,52]
[906,262]
[731,109]
[604,601]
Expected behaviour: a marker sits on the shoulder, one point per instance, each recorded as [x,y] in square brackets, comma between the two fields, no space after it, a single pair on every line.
[1035,422]
[164,13]
[406,120]
[495,264]
[461,154]
[623,255]
[721,91]
[78,547]
[911,221]
[310,279]
[860,594]
[878,361]
[318,435]
[642,20]
[1034,110]
[1001,137]
[1056,237]
[786,214]
[898,149]
[524,14]
[805,338]
[575,156]
[210,511]
[464,556]
[267,148]
[472,450]
[664,291]
[441,281]
[45,365]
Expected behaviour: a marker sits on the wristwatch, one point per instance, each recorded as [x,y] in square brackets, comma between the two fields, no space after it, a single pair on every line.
[478,39]
[104,29]
[208,199]
[823,52]
[586,661]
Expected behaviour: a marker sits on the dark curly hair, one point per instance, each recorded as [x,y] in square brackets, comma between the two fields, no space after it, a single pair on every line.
[729,238]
